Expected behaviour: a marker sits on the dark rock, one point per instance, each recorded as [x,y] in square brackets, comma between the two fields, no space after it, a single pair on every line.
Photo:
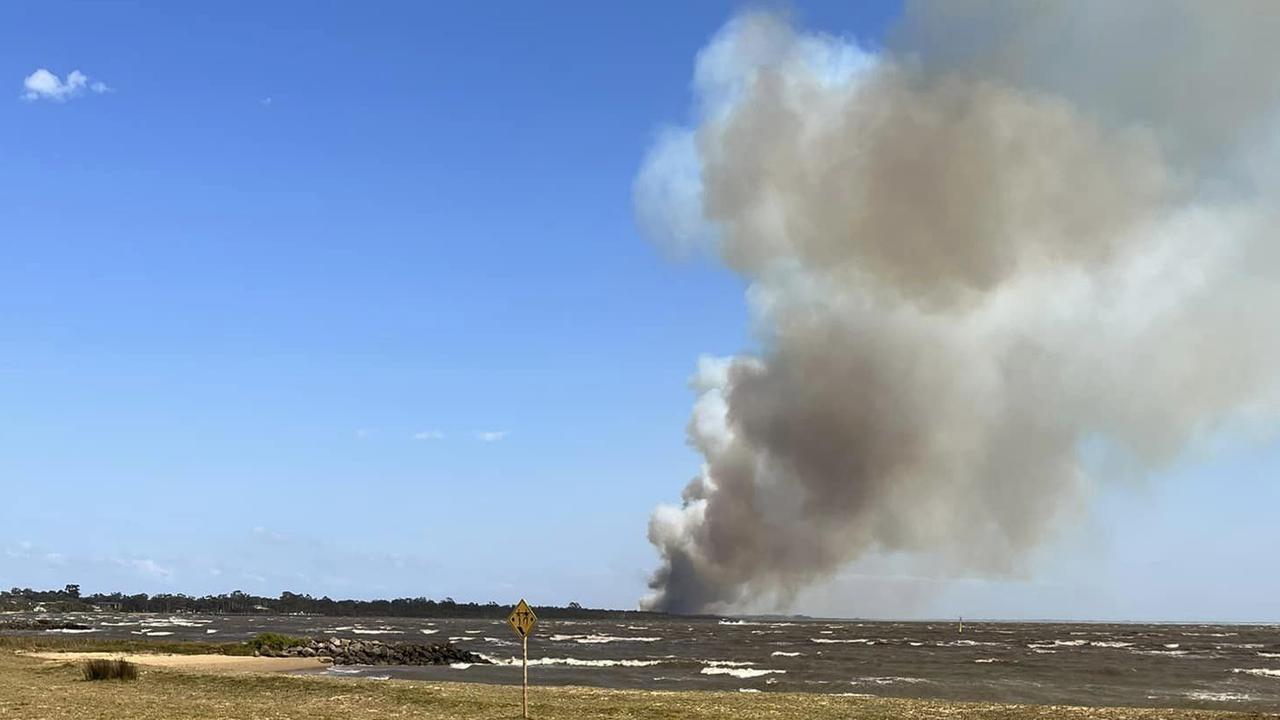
[373,652]
[40,624]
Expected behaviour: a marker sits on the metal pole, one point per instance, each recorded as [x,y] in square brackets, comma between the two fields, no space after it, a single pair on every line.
[524,642]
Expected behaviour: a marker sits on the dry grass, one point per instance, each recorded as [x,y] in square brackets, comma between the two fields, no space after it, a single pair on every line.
[37,643]
[31,689]
[109,670]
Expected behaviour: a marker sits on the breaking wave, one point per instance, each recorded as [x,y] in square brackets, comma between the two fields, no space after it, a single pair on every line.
[742,673]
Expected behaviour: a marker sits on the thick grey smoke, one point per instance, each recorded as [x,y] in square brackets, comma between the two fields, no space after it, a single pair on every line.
[1020,235]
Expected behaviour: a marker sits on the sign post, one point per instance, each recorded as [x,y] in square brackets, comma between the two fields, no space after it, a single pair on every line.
[522,621]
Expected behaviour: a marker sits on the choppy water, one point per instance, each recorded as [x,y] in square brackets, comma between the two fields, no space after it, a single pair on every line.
[1206,666]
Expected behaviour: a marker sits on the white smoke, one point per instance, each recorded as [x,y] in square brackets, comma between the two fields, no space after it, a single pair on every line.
[966,264]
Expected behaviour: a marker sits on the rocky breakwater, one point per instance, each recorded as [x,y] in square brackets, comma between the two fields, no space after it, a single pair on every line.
[29,624]
[374,652]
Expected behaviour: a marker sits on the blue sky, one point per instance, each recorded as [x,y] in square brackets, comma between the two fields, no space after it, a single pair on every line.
[349,300]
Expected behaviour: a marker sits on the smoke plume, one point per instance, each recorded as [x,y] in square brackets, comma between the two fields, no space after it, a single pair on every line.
[1020,234]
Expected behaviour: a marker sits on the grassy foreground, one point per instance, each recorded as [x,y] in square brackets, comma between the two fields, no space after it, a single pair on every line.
[32,689]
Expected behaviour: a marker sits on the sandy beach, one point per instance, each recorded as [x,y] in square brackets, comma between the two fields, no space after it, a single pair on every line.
[201,663]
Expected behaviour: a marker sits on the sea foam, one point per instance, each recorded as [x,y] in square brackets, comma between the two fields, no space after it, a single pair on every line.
[739,672]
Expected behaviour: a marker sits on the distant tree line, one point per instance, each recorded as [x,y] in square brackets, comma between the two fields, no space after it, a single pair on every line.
[241,603]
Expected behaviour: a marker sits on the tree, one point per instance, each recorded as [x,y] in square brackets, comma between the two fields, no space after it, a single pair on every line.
[73,591]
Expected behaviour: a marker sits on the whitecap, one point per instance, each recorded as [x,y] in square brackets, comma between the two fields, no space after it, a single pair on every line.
[573,662]
[428,632]
[1258,672]
[601,639]
[739,672]
[887,680]
[210,631]
[1219,696]
[780,653]
[988,660]
[1057,643]
[833,641]
[72,631]
[748,690]
[174,621]
[361,631]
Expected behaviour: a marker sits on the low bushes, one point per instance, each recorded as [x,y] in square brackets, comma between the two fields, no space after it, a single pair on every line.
[274,642]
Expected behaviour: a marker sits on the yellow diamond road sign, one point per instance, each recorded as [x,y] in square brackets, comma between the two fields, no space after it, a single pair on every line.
[522,619]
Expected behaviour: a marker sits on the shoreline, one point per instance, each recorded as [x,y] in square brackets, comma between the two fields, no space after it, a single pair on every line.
[187,684]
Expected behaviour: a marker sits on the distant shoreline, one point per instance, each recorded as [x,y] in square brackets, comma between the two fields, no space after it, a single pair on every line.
[237,602]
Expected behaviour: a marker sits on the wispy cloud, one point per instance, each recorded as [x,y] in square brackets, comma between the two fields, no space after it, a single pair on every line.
[428,435]
[269,535]
[364,432]
[146,566]
[265,102]
[45,85]
[491,435]
[23,550]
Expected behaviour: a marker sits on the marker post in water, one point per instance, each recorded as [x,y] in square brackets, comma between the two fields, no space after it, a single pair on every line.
[522,621]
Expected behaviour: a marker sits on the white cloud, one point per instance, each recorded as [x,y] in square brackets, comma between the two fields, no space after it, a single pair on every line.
[428,435]
[23,550]
[269,535]
[45,85]
[146,566]
[491,436]
[364,432]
